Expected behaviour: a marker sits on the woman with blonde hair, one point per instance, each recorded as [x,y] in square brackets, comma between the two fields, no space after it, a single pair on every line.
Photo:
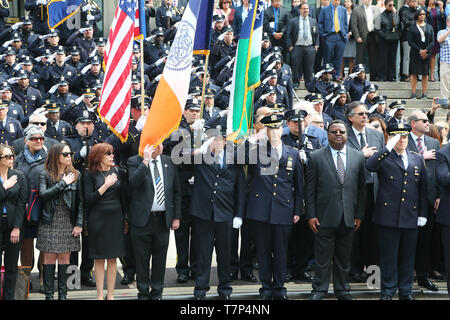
[61,221]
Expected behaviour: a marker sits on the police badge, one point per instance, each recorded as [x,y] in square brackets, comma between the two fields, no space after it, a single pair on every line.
[289,163]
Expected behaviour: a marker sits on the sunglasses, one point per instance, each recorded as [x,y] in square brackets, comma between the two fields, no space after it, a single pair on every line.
[421,14]
[39,123]
[390,5]
[66,154]
[7,157]
[362,113]
[338,131]
[37,139]
[423,120]
[376,125]
[108,153]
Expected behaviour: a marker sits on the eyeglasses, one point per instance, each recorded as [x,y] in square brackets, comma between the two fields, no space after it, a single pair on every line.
[7,157]
[423,120]
[338,131]
[39,123]
[37,139]
[362,114]
[67,154]
[108,153]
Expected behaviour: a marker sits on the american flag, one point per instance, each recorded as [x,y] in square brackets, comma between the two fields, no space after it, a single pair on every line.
[114,107]
[139,21]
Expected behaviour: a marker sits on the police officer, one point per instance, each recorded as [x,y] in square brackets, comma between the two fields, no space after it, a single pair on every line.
[356,82]
[397,112]
[368,98]
[90,13]
[321,80]
[64,99]
[36,79]
[56,128]
[210,111]
[85,80]
[317,102]
[379,108]
[337,105]
[25,95]
[10,129]
[27,33]
[271,80]
[167,15]
[221,49]
[273,204]
[401,207]
[15,110]
[38,13]
[60,69]
[7,68]
[48,41]
[75,59]
[218,22]
[83,39]
[154,47]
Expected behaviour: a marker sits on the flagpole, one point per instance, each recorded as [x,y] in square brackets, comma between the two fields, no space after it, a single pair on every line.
[202,104]
[142,76]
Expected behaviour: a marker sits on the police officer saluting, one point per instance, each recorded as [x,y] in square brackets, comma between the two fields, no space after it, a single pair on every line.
[56,128]
[401,206]
[25,95]
[10,129]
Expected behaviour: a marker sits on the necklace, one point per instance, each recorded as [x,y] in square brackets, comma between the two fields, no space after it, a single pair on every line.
[104,176]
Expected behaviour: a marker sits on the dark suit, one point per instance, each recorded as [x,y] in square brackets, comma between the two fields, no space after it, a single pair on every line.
[401,199]
[276,23]
[150,232]
[13,200]
[425,245]
[218,197]
[443,214]
[302,57]
[336,206]
[365,251]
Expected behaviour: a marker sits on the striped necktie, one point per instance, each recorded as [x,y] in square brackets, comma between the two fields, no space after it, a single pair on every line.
[419,145]
[340,168]
[159,185]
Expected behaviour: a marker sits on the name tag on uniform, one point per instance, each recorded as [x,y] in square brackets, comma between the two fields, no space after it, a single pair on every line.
[289,163]
[11,128]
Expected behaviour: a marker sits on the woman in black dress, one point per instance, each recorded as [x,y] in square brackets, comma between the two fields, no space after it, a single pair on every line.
[104,195]
[421,40]
[13,197]
[61,220]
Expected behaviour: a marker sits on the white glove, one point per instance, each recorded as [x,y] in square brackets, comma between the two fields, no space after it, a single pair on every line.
[421,221]
[67,58]
[176,25]
[140,123]
[228,88]
[83,152]
[169,14]
[319,74]
[148,39]
[158,77]
[266,59]
[85,69]
[237,222]
[204,148]
[265,80]
[263,96]
[40,110]
[83,30]
[53,89]
[13,80]
[392,142]
[52,58]
[7,43]
[93,53]
[44,2]
[159,61]
[44,37]
[86,8]
[353,75]
[302,155]
[90,17]
[18,66]
[223,113]
[16,25]
[198,124]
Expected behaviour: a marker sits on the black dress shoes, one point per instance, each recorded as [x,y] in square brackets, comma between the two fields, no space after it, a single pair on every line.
[282,297]
[304,276]
[426,283]
[127,279]
[345,296]
[317,296]
[250,277]
[182,278]
[408,297]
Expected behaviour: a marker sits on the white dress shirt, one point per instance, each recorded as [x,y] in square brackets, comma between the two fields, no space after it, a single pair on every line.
[155,205]
[369,17]
[278,149]
[343,154]
[358,137]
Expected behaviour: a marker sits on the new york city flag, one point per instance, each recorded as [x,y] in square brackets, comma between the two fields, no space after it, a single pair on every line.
[61,10]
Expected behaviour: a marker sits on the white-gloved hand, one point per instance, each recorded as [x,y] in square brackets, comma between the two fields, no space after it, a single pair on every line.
[86,8]
[18,66]
[302,155]
[263,96]
[52,58]
[237,222]
[319,74]
[204,148]
[53,89]
[90,17]
[140,123]
[421,221]
[83,152]
[7,43]
[13,80]
[44,37]
[16,26]
[44,2]
[392,142]
[85,69]
[83,30]
[159,61]
[228,87]
[198,124]
[223,113]
[158,77]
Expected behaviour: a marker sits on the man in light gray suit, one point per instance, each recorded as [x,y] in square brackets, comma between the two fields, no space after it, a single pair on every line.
[427,146]
[368,141]
[335,195]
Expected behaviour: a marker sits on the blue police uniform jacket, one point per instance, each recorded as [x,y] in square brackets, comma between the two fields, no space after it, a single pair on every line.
[402,195]
[11,131]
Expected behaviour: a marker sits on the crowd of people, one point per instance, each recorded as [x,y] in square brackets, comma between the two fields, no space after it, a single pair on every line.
[348,188]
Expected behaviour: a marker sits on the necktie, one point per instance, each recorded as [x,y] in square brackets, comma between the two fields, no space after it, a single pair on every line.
[160,198]
[362,140]
[340,168]
[419,145]
[336,20]
[305,34]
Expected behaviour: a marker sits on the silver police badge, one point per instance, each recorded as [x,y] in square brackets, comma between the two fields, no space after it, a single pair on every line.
[182,47]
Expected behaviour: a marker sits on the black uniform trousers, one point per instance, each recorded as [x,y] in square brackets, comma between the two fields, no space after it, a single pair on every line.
[243,260]
[183,240]
[332,251]
[387,57]
[302,64]
[365,244]
[11,258]
[397,252]
[208,235]
[150,241]
[271,246]
[445,233]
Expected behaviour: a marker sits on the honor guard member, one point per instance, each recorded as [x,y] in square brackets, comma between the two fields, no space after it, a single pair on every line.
[397,112]
[10,129]
[56,128]
[356,82]
[25,95]
[38,13]
[154,47]
[48,41]
[401,206]
[83,39]
[321,80]
[64,99]
[60,69]
[167,15]
[274,202]
[15,110]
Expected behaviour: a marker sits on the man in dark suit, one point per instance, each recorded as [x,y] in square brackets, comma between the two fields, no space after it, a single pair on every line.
[443,212]
[302,40]
[401,207]
[319,55]
[155,209]
[218,204]
[368,141]
[333,28]
[275,23]
[335,195]
[421,143]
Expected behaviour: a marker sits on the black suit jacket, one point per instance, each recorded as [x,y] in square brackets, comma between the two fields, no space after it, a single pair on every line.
[293,28]
[141,191]
[416,44]
[14,199]
[326,198]
[269,16]
[443,179]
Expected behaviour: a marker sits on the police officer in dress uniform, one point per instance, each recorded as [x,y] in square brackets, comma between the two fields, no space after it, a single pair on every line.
[83,39]
[56,128]
[10,129]
[15,110]
[397,112]
[38,13]
[25,95]
[401,206]
[321,80]
[356,82]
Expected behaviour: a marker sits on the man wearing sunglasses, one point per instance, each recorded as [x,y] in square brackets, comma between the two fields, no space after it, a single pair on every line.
[10,129]
[421,143]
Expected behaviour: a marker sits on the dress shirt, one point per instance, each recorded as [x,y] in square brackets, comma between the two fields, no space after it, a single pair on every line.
[343,154]
[278,149]
[415,140]
[369,17]
[358,137]
[444,53]
[155,205]
[300,41]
